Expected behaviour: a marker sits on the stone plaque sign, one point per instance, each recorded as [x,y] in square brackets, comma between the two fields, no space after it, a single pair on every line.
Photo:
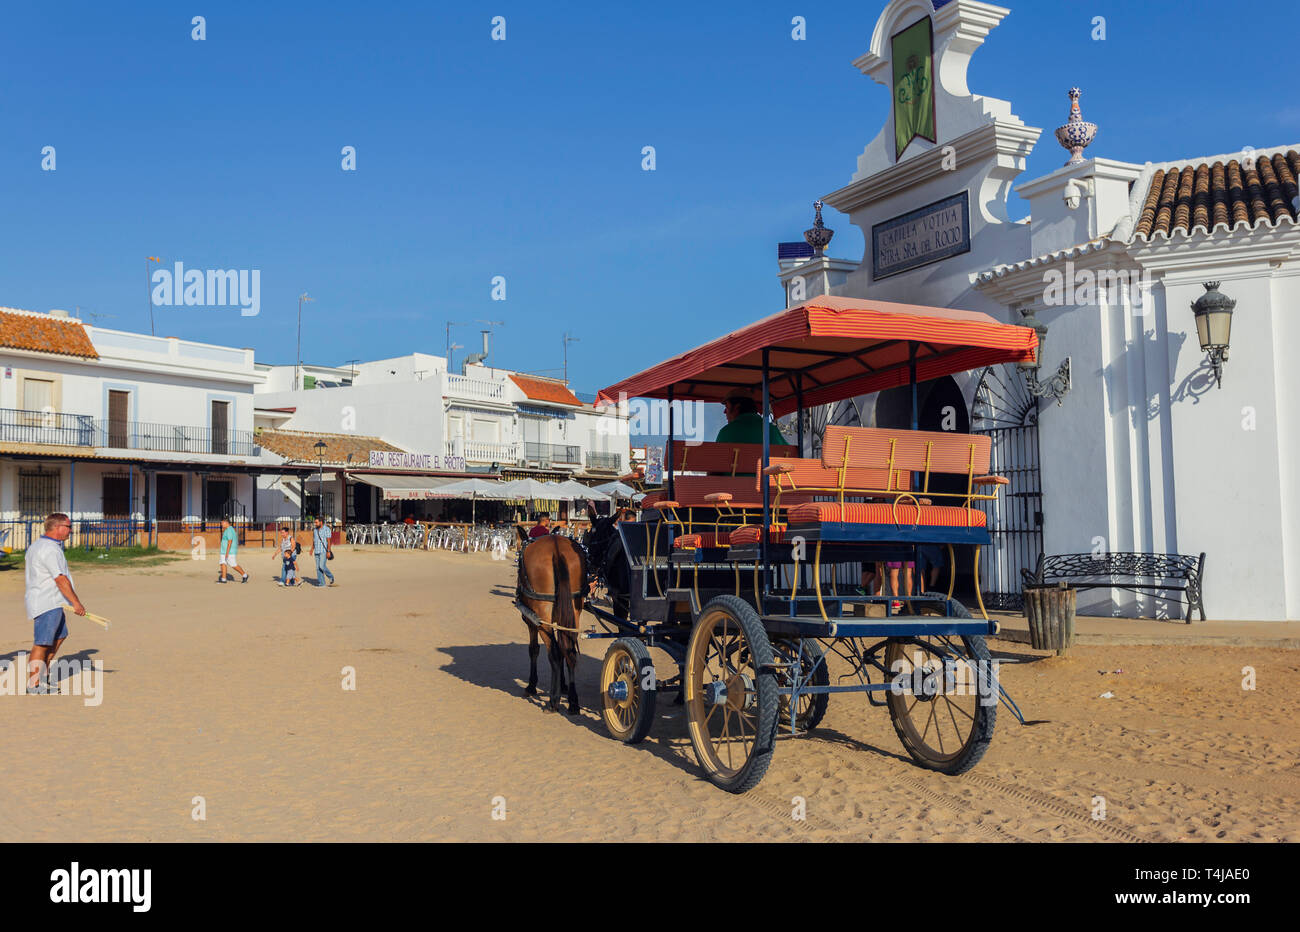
[921,236]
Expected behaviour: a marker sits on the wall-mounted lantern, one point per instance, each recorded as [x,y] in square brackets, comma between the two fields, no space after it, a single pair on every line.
[1213,312]
[1059,384]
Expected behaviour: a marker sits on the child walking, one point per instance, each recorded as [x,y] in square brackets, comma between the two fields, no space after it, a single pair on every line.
[289,566]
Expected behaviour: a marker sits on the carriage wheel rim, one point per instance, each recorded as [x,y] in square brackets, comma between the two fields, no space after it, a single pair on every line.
[724,655]
[945,713]
[621,714]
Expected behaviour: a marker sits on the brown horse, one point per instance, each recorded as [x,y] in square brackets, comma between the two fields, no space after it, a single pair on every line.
[552,576]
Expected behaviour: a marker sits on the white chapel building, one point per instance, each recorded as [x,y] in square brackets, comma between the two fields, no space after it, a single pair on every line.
[1126,439]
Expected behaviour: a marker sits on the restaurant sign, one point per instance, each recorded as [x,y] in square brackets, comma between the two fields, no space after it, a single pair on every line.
[394,459]
[921,236]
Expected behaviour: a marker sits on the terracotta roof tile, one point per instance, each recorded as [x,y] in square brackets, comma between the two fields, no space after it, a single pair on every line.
[545,390]
[27,330]
[1187,197]
[301,445]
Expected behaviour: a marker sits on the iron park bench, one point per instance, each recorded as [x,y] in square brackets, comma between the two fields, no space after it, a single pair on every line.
[1132,572]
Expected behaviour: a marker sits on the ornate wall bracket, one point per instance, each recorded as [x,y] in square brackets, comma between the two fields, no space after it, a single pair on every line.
[1058,386]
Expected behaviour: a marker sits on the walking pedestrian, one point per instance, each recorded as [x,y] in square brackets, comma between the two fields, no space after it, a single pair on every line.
[320,548]
[228,552]
[49,589]
[287,552]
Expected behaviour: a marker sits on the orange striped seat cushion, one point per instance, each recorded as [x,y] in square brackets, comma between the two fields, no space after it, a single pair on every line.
[696,541]
[940,451]
[726,459]
[747,535]
[908,514]
[814,474]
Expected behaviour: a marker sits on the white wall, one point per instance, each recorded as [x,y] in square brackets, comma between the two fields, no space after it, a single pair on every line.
[407,415]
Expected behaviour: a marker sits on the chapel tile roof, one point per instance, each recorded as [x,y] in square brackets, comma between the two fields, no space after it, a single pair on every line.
[28,330]
[1204,196]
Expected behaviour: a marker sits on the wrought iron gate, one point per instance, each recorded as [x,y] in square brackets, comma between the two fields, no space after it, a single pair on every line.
[1004,409]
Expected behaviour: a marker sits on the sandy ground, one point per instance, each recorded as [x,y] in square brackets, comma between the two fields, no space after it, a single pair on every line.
[234,694]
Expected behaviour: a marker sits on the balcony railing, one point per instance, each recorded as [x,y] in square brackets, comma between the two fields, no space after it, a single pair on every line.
[174,438]
[551,453]
[51,427]
[82,430]
[480,389]
[480,451]
[608,461]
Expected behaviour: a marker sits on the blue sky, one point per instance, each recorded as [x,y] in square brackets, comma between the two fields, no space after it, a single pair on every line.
[519,158]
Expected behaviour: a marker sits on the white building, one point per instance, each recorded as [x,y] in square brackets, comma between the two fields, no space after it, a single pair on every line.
[114,427]
[1144,453]
[478,421]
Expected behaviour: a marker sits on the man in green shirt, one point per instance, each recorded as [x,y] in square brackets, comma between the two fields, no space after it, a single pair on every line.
[745,424]
[229,550]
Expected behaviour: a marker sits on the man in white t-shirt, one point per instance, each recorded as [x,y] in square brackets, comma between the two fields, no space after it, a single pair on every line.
[49,589]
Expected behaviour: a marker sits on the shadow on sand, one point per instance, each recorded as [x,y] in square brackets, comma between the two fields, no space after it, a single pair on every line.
[485,665]
[82,657]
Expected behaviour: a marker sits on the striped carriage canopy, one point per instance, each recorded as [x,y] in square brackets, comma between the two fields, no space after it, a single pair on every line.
[835,348]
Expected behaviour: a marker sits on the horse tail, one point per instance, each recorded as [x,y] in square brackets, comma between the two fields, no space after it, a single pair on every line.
[564,615]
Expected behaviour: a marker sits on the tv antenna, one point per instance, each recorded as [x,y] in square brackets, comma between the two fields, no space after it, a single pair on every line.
[450,324]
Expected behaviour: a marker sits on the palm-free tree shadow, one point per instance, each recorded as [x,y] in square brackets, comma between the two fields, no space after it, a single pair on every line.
[504,667]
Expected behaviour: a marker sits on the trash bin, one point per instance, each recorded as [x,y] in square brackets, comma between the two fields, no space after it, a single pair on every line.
[1050,609]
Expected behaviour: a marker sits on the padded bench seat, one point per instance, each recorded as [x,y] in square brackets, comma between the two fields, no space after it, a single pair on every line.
[903,514]
[748,535]
[696,541]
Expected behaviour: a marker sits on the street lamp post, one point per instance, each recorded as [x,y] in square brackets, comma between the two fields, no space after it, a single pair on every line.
[320,479]
[297,372]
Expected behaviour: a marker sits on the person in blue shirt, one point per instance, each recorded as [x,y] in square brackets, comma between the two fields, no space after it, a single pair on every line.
[229,551]
[320,547]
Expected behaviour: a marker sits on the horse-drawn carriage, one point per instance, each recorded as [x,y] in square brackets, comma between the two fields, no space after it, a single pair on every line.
[739,568]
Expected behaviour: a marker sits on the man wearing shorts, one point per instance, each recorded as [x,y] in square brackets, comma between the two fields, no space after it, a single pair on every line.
[229,548]
[49,589]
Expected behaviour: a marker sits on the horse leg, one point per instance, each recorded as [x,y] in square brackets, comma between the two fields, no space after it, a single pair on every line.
[531,688]
[553,653]
[571,659]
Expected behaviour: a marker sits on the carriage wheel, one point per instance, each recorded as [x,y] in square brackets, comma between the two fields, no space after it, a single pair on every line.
[627,690]
[943,710]
[812,706]
[731,695]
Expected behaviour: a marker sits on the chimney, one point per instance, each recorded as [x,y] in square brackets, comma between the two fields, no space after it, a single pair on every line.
[476,357]
[56,312]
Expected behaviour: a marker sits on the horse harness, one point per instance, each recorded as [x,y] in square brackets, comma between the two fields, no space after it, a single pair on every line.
[522,590]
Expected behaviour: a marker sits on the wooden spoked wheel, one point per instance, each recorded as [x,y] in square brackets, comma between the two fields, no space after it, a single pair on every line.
[628,690]
[944,701]
[812,706]
[731,694]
